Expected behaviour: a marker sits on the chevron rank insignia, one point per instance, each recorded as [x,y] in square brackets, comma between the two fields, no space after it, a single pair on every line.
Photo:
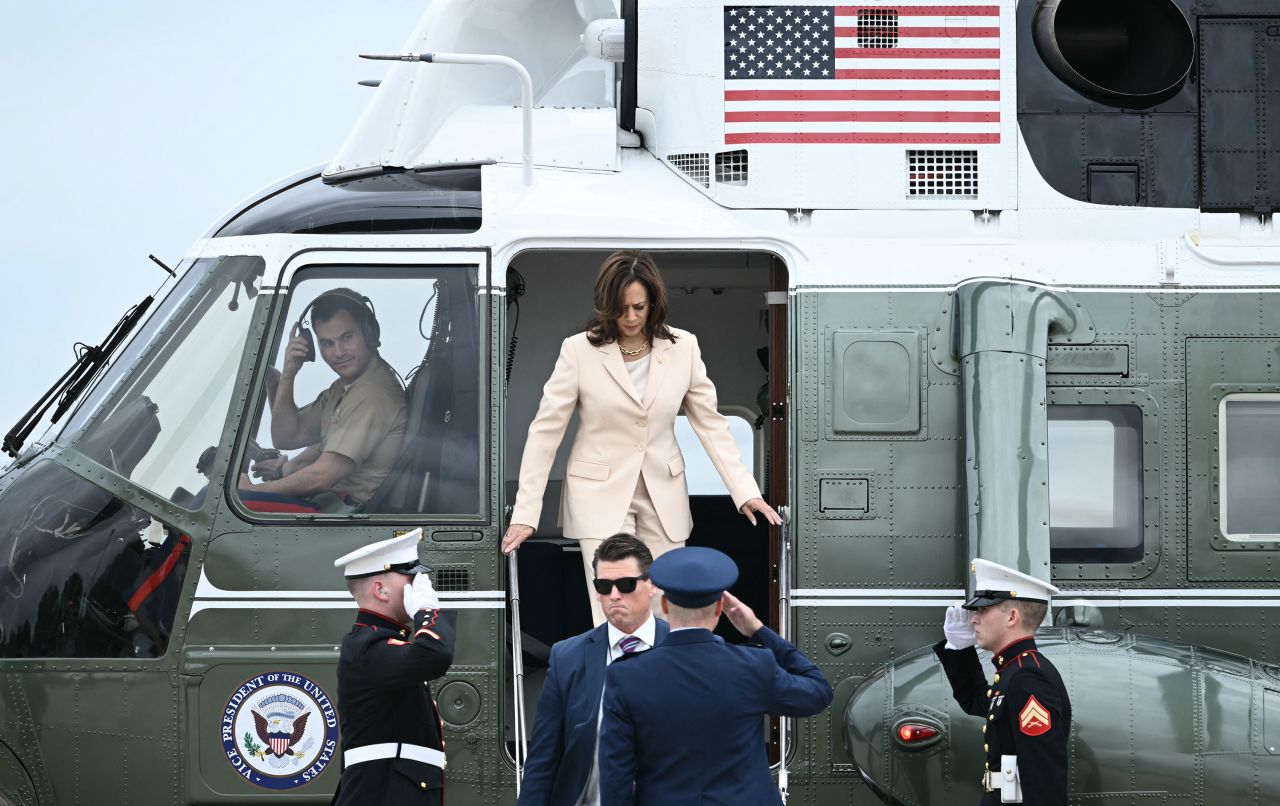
[1034,718]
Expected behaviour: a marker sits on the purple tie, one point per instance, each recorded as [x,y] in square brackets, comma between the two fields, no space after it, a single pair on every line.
[628,644]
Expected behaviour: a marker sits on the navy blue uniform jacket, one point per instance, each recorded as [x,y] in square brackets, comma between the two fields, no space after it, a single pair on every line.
[564,733]
[685,720]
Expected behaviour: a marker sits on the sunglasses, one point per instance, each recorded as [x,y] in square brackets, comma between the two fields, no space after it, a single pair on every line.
[625,584]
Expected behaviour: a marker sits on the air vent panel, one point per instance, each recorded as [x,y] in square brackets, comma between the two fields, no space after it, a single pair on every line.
[731,167]
[946,173]
[877,27]
[695,166]
[452,578]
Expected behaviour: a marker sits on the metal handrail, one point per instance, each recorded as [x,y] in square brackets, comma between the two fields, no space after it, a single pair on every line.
[784,612]
[517,666]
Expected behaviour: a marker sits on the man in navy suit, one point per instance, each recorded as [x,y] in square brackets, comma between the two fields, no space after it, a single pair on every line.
[684,723]
[561,769]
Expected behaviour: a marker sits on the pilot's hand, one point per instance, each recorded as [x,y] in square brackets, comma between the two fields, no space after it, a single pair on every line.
[739,615]
[957,626]
[295,355]
[273,383]
[516,534]
[758,505]
[420,596]
[246,483]
[269,469]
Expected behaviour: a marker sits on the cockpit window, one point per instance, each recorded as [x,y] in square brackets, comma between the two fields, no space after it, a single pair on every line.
[156,422]
[82,573]
[371,402]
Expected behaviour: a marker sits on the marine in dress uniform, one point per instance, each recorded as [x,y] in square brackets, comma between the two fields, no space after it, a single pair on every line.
[684,722]
[392,737]
[1027,710]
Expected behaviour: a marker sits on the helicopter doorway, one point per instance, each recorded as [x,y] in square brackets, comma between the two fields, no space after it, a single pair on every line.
[723,298]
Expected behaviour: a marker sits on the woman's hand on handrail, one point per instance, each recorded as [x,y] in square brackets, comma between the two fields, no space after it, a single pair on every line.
[517,533]
[753,506]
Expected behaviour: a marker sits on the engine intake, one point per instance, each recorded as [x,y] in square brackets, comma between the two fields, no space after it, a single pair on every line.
[1131,53]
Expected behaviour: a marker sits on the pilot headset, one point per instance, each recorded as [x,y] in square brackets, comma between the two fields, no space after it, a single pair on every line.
[365,316]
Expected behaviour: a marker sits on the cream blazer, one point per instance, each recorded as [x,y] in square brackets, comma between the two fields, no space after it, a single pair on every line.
[621,437]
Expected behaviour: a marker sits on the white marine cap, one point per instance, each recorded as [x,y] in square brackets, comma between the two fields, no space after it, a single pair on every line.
[398,553]
[995,583]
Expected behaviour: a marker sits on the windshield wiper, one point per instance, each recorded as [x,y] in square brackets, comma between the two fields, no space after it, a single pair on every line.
[67,390]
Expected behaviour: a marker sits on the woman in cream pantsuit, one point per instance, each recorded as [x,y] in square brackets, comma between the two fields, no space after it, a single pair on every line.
[628,375]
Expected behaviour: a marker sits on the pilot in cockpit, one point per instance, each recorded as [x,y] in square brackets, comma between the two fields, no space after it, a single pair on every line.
[352,432]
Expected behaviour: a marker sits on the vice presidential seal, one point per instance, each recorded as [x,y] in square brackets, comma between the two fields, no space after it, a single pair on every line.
[279,730]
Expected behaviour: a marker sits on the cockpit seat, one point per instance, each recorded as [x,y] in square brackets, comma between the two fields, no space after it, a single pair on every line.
[438,468]
[274,502]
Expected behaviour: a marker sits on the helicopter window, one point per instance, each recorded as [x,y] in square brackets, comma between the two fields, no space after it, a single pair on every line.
[1249,443]
[83,574]
[371,403]
[1095,483]
[158,424]
[699,473]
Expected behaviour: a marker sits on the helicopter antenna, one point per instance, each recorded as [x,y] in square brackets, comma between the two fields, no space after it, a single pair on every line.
[160,263]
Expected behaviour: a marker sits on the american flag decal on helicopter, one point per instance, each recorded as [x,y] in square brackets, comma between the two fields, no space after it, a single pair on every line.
[862,74]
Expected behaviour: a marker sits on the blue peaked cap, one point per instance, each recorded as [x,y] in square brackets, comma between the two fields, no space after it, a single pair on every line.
[693,577]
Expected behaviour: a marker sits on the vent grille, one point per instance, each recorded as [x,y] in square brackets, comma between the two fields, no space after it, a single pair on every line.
[953,174]
[694,166]
[731,167]
[452,577]
[877,28]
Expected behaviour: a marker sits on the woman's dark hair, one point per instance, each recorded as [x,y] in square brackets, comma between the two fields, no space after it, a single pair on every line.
[618,271]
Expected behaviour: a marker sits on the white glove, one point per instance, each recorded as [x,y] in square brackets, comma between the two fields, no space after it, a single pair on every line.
[420,596]
[957,626]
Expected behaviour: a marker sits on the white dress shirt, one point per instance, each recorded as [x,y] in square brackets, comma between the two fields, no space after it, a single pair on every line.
[646,633]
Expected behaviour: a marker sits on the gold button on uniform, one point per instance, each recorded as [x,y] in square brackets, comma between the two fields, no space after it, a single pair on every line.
[997,679]
[988,693]
[984,728]
[423,784]
[1000,659]
[991,718]
[985,748]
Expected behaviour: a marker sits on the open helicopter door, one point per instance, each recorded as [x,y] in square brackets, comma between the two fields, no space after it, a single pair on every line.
[735,303]
[270,609]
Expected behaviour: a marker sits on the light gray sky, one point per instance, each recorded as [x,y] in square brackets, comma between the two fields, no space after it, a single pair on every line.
[129,128]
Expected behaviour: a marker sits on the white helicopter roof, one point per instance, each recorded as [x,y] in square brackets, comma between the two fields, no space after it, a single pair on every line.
[908,106]
[432,114]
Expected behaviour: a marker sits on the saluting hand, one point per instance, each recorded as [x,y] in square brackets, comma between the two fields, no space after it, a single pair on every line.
[740,616]
[957,626]
[755,505]
[420,596]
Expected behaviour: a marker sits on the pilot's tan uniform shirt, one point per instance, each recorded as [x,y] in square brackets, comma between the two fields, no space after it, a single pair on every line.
[364,422]
[622,436]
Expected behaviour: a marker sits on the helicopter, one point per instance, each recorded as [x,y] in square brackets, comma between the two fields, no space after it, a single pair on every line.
[988,281]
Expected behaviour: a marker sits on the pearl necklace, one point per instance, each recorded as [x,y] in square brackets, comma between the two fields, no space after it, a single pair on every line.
[636,351]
